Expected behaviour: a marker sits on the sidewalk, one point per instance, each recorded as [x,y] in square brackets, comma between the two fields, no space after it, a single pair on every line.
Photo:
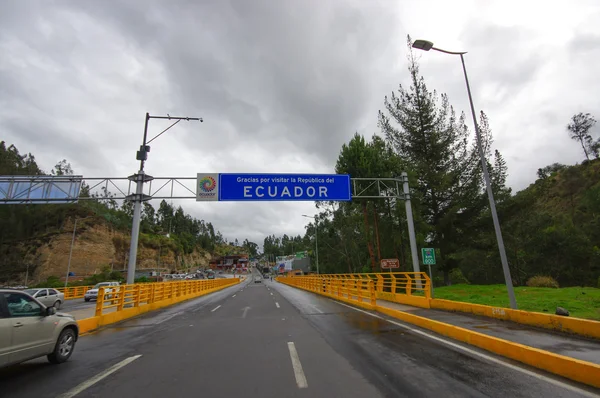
[555,342]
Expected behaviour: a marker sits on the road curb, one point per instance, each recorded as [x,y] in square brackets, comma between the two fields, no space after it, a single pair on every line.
[571,368]
[570,325]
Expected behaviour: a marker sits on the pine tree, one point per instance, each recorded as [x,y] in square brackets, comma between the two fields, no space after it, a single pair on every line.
[425,132]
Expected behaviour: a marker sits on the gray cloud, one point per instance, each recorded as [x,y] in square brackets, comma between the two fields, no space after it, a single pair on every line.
[281,85]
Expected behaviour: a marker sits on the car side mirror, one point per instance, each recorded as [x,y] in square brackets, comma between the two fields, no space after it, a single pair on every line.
[50,311]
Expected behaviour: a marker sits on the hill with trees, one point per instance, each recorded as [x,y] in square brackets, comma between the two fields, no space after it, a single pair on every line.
[550,228]
[35,240]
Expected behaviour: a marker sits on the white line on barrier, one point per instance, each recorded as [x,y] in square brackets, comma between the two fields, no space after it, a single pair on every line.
[102,375]
[216,308]
[298,372]
[479,354]
[276,304]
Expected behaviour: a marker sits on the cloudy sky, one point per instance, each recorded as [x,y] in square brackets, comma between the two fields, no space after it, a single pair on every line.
[281,85]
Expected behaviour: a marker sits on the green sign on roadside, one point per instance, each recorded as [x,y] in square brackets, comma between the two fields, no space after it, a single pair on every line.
[428,255]
[301,254]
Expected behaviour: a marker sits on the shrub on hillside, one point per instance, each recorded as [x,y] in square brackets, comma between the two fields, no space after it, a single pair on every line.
[457,277]
[542,281]
[52,281]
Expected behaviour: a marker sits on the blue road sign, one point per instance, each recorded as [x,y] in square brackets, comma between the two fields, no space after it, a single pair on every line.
[284,187]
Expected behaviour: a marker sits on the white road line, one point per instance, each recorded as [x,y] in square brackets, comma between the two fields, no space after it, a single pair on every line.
[245,312]
[271,294]
[102,375]
[216,308]
[276,304]
[234,295]
[481,355]
[298,372]
[316,308]
[169,317]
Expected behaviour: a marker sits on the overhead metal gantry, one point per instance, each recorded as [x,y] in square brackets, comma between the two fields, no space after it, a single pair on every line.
[69,189]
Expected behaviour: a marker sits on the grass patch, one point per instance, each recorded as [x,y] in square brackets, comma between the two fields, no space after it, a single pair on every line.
[581,302]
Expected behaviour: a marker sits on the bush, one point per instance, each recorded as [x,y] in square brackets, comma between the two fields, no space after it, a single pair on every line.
[457,277]
[599,282]
[542,281]
[52,281]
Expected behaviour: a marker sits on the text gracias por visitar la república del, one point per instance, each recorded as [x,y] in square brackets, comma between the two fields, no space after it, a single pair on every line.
[285,192]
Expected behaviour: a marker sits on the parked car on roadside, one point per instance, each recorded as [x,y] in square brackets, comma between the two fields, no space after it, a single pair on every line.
[29,329]
[92,294]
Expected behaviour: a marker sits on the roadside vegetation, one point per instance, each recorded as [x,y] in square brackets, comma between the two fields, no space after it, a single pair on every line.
[582,302]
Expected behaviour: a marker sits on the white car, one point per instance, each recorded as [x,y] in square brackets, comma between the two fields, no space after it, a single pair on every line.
[92,294]
[48,297]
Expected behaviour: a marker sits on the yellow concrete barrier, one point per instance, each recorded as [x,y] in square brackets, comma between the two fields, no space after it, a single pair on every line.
[116,304]
[583,327]
[574,369]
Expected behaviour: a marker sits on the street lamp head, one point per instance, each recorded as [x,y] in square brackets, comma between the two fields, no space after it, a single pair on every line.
[423,45]
[304,215]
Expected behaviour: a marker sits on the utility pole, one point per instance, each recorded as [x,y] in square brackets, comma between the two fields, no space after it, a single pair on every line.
[139,197]
[71,250]
[411,226]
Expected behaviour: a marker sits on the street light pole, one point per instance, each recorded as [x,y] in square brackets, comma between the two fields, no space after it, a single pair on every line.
[139,197]
[426,46]
[316,239]
[71,251]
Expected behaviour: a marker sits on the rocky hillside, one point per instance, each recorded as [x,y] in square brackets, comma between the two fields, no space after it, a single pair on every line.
[35,240]
[96,246]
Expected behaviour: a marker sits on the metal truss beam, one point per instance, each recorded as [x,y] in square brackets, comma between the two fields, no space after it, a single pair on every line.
[68,189]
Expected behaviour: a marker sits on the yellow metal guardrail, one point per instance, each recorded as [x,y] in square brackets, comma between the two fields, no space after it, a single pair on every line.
[410,288]
[74,292]
[355,290]
[117,298]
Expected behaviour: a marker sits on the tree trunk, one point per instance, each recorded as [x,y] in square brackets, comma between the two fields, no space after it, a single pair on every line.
[584,150]
[446,277]
[376,218]
[367,230]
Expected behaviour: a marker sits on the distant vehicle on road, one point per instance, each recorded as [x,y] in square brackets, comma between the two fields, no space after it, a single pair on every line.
[257,279]
[29,329]
[48,297]
[210,275]
[92,294]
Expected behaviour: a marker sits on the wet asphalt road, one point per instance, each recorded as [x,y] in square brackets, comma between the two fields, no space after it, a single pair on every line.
[76,304]
[225,346]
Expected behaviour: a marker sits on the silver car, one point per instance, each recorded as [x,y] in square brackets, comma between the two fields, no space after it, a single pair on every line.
[48,297]
[29,329]
[92,294]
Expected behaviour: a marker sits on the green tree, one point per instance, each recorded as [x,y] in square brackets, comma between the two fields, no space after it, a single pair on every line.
[552,169]
[425,132]
[579,130]
[62,168]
